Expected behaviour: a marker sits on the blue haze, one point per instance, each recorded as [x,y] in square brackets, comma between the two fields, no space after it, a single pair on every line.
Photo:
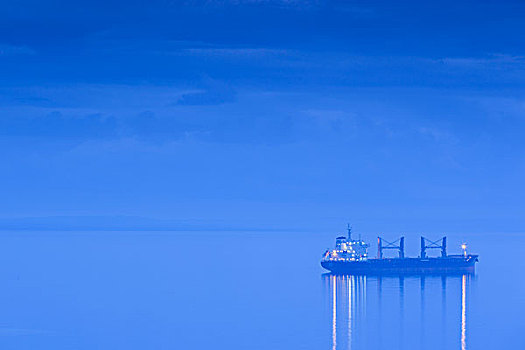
[246,290]
[263,114]
[171,171]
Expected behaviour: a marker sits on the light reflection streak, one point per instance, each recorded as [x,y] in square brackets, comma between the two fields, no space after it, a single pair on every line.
[334,313]
[363,279]
[352,292]
[350,307]
[463,313]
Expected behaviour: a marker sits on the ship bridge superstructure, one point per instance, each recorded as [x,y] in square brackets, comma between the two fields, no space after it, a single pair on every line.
[347,249]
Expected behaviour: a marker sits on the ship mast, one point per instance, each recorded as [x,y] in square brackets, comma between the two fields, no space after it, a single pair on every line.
[349,228]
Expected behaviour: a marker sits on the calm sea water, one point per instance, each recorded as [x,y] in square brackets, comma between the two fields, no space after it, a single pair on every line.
[223,290]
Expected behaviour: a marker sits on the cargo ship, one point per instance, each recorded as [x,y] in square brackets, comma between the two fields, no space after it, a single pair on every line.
[350,256]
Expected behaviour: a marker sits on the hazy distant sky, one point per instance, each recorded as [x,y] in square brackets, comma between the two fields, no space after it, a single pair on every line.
[395,115]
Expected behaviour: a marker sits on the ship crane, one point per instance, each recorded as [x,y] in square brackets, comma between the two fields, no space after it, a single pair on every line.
[428,244]
[383,244]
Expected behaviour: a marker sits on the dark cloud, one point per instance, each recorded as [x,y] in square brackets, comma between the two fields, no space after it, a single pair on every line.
[10,50]
[57,125]
[33,101]
[215,93]
[206,98]
[149,126]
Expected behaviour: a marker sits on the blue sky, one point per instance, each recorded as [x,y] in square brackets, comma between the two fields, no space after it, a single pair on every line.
[396,116]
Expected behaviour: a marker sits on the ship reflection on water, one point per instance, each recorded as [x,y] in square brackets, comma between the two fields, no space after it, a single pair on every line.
[402,312]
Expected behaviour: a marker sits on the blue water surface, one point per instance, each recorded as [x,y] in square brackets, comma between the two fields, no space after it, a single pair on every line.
[246,290]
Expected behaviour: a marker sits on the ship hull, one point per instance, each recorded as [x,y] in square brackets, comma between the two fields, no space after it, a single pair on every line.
[447,265]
